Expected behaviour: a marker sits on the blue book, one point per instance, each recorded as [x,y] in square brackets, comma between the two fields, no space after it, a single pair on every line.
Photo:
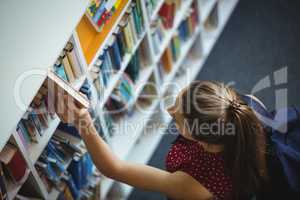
[67,128]
[52,152]
[24,132]
[86,89]
[84,171]
[75,169]
[74,191]
[59,69]
[115,52]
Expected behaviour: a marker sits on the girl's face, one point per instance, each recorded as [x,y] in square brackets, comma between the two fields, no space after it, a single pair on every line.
[176,112]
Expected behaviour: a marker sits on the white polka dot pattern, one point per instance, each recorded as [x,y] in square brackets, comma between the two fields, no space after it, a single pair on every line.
[207,168]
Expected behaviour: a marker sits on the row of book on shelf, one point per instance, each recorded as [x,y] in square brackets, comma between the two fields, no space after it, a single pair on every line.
[68,65]
[120,45]
[184,32]
[165,21]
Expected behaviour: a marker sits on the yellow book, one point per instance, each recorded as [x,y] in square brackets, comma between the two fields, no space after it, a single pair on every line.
[67,66]
[127,33]
[73,60]
[167,60]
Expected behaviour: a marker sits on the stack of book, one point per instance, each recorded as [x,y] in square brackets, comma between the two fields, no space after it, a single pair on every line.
[13,169]
[68,65]
[66,166]
[185,30]
[120,44]
[100,11]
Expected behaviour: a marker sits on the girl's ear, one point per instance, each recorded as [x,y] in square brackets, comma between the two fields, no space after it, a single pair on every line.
[171,110]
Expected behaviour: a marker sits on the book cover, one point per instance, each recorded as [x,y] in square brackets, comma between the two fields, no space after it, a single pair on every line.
[56,83]
[13,161]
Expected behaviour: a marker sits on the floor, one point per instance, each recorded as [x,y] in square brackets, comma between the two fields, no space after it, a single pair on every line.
[260,38]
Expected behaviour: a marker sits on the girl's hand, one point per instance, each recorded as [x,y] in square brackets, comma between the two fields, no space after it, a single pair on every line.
[69,112]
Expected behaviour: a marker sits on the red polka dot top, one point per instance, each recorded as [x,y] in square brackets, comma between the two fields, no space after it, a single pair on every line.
[207,168]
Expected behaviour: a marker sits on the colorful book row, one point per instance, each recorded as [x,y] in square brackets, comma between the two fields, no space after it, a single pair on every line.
[68,65]
[185,30]
[120,44]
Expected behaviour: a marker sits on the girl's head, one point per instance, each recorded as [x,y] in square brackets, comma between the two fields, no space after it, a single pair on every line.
[214,113]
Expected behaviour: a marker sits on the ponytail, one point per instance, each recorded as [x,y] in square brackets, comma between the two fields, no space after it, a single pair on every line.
[243,152]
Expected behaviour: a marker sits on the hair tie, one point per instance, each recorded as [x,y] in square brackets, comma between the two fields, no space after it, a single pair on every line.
[235,105]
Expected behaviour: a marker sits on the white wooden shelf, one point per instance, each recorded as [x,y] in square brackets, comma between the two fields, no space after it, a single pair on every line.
[206,8]
[129,129]
[210,37]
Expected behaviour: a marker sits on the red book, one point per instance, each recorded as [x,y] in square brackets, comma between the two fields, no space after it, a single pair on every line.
[13,161]
[167,13]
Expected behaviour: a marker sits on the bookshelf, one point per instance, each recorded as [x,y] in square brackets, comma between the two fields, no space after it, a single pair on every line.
[132,140]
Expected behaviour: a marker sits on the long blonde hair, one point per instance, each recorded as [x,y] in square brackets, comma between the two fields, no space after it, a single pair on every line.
[241,133]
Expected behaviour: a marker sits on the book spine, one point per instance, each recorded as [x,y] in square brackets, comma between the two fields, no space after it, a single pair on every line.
[68,68]
[73,60]
[22,138]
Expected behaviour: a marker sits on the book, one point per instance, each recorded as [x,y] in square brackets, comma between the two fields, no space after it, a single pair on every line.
[166,60]
[114,52]
[24,141]
[167,13]
[55,82]
[60,70]
[67,67]
[30,129]
[13,162]
[73,59]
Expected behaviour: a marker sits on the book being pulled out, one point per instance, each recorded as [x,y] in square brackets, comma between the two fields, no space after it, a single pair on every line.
[56,83]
